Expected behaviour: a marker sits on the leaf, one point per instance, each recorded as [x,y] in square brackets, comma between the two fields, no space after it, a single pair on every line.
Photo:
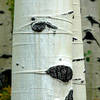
[5,93]
[10,9]
[89,52]
[88,59]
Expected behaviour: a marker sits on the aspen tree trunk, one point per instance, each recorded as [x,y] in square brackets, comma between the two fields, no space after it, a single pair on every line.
[42,38]
[5,36]
[79,86]
[92,51]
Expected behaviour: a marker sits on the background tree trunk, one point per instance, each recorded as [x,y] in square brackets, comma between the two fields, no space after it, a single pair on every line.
[79,86]
[5,36]
[92,49]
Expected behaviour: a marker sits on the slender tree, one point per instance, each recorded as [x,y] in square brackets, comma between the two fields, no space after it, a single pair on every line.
[79,83]
[5,36]
[91,29]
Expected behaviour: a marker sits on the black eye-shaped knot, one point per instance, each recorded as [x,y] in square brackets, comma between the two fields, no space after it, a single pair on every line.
[70,95]
[61,72]
[40,26]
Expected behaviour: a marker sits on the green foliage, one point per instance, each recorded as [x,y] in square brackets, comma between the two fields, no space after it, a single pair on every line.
[10,3]
[88,59]
[5,93]
[87,54]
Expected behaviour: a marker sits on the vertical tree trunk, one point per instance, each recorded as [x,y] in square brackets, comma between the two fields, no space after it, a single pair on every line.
[91,47]
[5,36]
[42,38]
[79,85]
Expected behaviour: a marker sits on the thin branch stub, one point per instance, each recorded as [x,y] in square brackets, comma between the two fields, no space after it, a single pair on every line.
[61,72]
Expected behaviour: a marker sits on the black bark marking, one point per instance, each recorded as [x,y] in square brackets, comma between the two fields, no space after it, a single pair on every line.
[89,36]
[49,25]
[92,21]
[74,39]
[11,31]
[70,95]
[78,59]
[96,73]
[5,56]
[84,71]
[5,78]
[61,72]
[71,12]
[99,88]
[40,26]
[4,45]
[92,0]
[77,79]
[82,81]
[1,68]
[54,33]
[1,23]
[33,19]
[17,64]
[98,59]
[60,59]
[73,17]
[10,39]
[89,42]
[2,12]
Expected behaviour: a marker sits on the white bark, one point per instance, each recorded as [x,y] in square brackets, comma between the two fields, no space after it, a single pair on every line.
[40,51]
[78,66]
